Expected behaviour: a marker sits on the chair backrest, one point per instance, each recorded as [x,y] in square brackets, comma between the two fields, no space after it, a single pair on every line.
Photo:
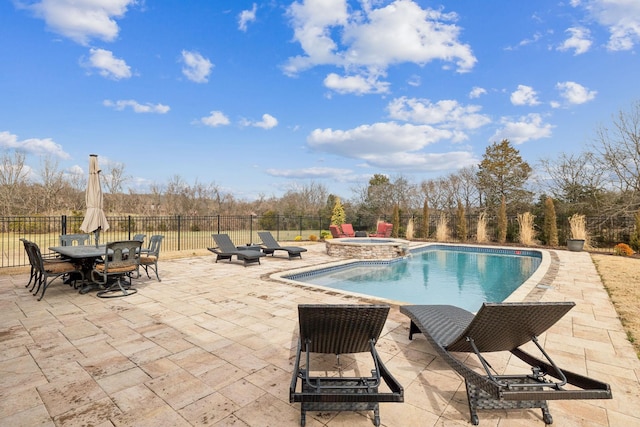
[223,241]
[121,257]
[29,251]
[348,230]
[335,231]
[35,255]
[74,239]
[388,229]
[139,236]
[154,245]
[507,326]
[267,239]
[340,329]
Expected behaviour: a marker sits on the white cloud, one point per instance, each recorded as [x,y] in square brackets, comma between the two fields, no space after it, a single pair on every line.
[267,122]
[447,114]
[414,81]
[312,172]
[247,16]
[390,145]
[477,92]
[579,40]
[368,41]
[196,67]
[81,20]
[575,93]
[36,146]
[524,95]
[423,162]
[358,85]
[215,119]
[108,65]
[620,17]
[529,127]
[136,107]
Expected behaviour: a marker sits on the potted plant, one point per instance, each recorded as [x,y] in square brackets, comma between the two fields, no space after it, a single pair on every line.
[578,227]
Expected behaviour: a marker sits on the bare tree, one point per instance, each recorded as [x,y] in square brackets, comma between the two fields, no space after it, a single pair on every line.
[574,179]
[618,153]
[52,184]
[13,182]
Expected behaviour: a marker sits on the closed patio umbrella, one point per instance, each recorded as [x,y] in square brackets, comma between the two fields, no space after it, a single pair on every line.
[94,219]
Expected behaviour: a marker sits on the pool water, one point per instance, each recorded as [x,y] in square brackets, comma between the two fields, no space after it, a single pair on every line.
[443,275]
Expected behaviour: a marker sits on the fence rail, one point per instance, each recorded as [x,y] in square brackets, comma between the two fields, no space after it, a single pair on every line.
[183,233]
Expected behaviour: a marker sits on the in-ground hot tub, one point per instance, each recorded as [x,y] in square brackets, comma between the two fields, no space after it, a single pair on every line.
[367,247]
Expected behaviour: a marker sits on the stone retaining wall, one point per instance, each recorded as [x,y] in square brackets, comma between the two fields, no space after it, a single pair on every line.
[382,250]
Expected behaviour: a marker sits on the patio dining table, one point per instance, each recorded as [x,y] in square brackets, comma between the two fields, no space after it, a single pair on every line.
[86,256]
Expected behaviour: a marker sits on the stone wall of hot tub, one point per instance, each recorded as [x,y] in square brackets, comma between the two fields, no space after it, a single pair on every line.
[367,248]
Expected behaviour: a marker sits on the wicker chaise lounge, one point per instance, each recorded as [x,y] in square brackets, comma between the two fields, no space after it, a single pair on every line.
[226,250]
[503,327]
[340,330]
[270,245]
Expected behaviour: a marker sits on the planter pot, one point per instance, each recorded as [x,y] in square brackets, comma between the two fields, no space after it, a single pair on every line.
[575,245]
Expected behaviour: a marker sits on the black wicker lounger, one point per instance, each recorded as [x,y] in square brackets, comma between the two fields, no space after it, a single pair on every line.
[270,245]
[503,327]
[226,249]
[341,329]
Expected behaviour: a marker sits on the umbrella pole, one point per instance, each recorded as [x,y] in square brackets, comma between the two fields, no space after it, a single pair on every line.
[97,236]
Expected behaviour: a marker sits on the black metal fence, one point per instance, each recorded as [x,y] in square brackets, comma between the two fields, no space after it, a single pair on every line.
[183,233]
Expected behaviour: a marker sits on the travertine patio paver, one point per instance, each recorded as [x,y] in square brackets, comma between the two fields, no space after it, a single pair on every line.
[213,344]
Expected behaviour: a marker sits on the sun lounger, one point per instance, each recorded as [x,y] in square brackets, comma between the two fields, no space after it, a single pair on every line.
[270,245]
[336,233]
[347,230]
[503,327]
[340,330]
[384,230]
[226,250]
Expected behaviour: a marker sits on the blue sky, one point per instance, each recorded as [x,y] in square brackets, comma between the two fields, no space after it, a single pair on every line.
[262,97]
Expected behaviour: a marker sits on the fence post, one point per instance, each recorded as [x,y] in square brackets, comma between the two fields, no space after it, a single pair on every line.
[250,229]
[129,225]
[300,223]
[278,226]
[63,224]
[179,232]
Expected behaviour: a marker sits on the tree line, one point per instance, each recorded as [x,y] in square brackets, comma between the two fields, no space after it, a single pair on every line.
[601,181]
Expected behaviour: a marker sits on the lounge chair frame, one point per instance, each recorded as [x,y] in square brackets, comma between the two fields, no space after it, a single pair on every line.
[225,250]
[270,245]
[341,329]
[503,327]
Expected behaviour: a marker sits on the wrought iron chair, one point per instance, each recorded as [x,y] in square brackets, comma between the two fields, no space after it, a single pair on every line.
[121,259]
[139,236]
[74,239]
[149,256]
[49,270]
[33,274]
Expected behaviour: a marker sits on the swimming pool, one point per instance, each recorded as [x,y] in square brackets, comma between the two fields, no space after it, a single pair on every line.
[463,276]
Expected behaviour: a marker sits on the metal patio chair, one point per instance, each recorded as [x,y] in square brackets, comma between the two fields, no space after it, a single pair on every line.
[121,260]
[149,256]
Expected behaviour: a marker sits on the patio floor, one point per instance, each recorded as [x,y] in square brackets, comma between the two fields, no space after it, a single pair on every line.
[214,344]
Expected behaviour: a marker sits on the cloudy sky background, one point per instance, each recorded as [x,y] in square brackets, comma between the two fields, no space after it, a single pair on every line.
[259,97]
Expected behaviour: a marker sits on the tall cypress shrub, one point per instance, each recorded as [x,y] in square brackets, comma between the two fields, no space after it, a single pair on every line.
[550,223]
